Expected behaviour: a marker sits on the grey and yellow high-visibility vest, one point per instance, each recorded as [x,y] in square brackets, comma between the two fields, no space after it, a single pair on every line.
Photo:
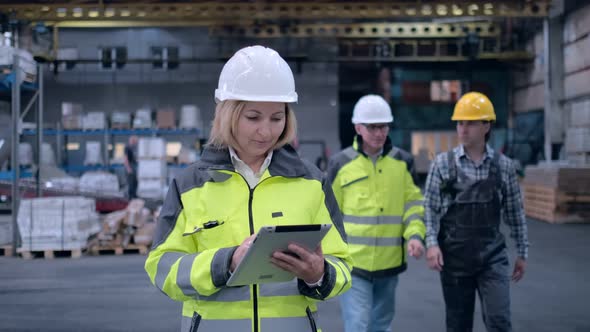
[382,208]
[209,210]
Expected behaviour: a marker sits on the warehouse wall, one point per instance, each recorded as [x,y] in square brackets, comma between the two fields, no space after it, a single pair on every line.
[529,92]
[529,85]
[138,85]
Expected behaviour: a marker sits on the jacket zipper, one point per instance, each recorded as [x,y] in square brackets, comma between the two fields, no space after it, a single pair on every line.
[254,287]
[251,224]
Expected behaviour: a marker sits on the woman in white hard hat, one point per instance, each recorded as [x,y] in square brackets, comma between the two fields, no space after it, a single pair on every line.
[248,177]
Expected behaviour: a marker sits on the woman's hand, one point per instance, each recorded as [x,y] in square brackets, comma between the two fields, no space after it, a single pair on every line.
[304,264]
[240,252]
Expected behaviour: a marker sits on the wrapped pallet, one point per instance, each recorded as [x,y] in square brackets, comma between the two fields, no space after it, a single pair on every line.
[190,117]
[71,115]
[27,65]
[120,120]
[151,188]
[94,121]
[25,154]
[151,148]
[67,183]
[142,119]
[152,168]
[93,153]
[47,155]
[57,223]
[100,182]
[5,231]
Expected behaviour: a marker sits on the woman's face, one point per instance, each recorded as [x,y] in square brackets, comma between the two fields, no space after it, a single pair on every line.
[259,127]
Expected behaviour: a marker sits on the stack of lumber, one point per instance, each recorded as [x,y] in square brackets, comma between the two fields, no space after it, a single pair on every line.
[557,194]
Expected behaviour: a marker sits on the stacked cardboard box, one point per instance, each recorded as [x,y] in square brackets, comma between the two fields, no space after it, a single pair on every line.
[166,119]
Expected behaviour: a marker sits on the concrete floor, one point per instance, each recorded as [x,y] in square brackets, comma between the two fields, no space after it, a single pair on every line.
[112,293]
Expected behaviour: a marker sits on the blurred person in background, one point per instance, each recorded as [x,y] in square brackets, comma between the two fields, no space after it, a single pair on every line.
[130,163]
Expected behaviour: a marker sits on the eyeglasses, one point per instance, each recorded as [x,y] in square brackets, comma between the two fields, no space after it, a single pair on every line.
[376,127]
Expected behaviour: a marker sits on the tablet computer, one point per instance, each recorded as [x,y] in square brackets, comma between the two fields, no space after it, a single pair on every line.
[256,268]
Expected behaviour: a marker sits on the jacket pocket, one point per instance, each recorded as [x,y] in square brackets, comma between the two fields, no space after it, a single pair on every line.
[353,181]
[314,327]
[195,322]
[209,233]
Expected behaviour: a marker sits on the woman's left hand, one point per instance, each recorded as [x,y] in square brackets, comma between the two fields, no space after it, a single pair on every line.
[308,266]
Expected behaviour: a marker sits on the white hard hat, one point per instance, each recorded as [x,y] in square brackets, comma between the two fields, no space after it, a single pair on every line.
[371,109]
[256,73]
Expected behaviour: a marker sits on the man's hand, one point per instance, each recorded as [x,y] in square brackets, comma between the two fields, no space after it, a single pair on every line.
[415,248]
[434,258]
[519,267]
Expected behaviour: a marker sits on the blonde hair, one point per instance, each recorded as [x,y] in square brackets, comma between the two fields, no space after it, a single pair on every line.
[225,124]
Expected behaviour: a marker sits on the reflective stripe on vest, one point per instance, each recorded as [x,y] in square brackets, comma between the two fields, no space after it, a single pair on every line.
[289,288]
[373,220]
[411,204]
[339,262]
[164,265]
[412,217]
[375,241]
[183,277]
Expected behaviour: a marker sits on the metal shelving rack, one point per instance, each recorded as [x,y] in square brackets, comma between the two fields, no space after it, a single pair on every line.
[107,135]
[14,83]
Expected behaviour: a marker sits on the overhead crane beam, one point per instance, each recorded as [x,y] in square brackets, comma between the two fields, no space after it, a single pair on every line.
[136,12]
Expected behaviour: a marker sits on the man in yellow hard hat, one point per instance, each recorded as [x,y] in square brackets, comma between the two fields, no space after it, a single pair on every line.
[468,191]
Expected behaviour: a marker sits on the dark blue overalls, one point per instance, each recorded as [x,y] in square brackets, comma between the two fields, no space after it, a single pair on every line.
[474,251]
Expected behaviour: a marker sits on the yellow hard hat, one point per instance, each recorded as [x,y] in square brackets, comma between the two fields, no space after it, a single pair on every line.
[474,106]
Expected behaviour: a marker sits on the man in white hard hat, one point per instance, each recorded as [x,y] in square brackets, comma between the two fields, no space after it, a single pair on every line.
[383,216]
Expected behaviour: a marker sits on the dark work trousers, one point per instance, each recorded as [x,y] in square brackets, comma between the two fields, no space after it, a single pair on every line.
[474,252]
[132,184]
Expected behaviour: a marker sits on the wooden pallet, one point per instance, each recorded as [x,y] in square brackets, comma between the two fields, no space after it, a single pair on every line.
[551,205]
[50,254]
[130,249]
[6,250]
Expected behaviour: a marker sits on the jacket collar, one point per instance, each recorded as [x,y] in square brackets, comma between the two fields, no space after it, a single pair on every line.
[285,161]
[357,144]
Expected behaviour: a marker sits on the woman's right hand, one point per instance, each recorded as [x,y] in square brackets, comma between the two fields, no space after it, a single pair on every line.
[240,252]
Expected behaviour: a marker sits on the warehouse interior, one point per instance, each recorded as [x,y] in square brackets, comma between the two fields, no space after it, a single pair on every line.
[81,78]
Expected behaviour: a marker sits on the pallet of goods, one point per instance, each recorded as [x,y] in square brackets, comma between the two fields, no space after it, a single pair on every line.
[557,194]
[125,231]
[56,224]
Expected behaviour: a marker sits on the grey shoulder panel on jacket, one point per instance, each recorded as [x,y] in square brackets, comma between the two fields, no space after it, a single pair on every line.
[340,159]
[408,158]
[196,175]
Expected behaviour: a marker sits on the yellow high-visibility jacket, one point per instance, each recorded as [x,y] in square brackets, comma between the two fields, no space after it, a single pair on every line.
[382,207]
[190,263]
